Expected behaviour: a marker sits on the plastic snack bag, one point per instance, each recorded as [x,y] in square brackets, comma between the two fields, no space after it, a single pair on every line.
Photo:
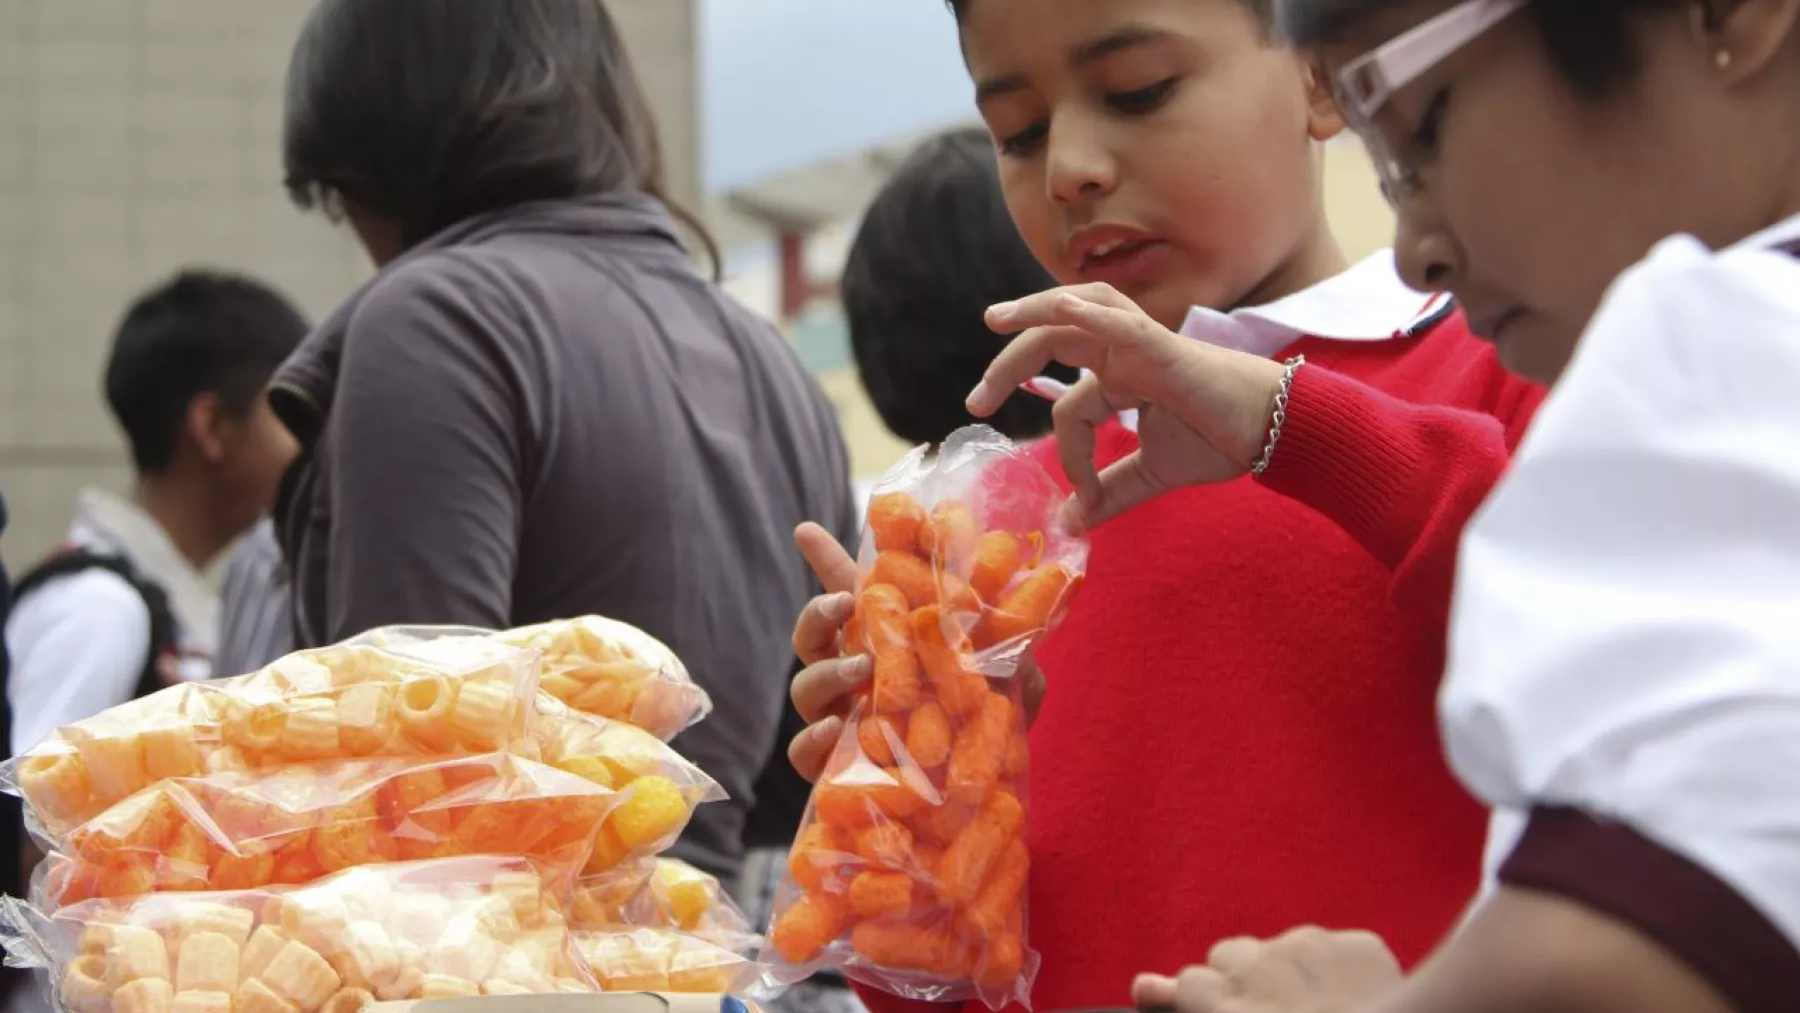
[451,927]
[292,825]
[910,868]
[662,960]
[664,893]
[596,665]
[661,788]
[334,703]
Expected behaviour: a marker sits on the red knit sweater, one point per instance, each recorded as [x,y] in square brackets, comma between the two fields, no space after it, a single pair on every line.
[1240,735]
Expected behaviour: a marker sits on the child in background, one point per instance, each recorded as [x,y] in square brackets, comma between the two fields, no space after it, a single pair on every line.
[1237,734]
[1623,652]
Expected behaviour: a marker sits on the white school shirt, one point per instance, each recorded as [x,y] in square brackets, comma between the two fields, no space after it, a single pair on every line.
[79,643]
[1625,640]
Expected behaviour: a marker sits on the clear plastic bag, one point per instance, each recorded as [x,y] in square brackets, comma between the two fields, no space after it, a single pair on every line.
[664,893]
[910,868]
[292,825]
[662,960]
[334,703]
[421,930]
[661,788]
[596,665]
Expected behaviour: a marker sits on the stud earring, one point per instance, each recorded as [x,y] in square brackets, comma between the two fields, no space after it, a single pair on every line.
[1722,59]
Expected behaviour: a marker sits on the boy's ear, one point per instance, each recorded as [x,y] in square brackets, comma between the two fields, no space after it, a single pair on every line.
[1323,119]
[1741,37]
[206,424]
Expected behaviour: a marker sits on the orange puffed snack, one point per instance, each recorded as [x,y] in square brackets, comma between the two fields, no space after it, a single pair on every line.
[449,927]
[337,703]
[909,873]
[291,825]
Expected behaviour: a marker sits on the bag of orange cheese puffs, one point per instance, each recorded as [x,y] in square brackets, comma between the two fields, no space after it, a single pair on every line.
[910,868]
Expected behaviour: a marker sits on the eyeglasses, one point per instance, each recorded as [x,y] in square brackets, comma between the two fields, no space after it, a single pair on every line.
[1366,83]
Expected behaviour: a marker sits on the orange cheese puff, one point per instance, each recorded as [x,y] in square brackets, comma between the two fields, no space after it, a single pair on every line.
[884,614]
[925,862]
[816,856]
[881,894]
[964,867]
[910,574]
[980,750]
[1001,965]
[844,806]
[1000,897]
[900,946]
[1028,608]
[939,824]
[243,872]
[885,845]
[950,537]
[928,735]
[895,519]
[951,670]
[877,736]
[997,558]
[900,801]
[1018,755]
[803,931]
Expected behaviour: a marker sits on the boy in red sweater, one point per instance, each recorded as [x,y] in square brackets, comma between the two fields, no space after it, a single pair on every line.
[1238,733]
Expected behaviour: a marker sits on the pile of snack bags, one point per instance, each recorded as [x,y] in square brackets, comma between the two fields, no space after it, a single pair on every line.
[416,814]
[910,870]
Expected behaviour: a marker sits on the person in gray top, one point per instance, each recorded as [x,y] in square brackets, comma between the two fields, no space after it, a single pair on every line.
[539,408]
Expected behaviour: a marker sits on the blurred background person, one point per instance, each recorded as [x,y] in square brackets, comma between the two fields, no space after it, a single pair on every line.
[256,611]
[539,407]
[124,607]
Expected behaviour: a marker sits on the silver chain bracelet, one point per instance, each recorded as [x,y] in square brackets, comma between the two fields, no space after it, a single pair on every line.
[1279,417]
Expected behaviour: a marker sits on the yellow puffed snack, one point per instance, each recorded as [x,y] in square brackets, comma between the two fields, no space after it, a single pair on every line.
[115,765]
[425,705]
[202,1002]
[300,975]
[348,1000]
[84,988]
[170,751]
[311,730]
[207,962]
[135,952]
[661,960]
[234,923]
[365,717]
[655,810]
[255,996]
[56,783]
[446,986]
[95,939]
[261,948]
[482,712]
[366,956]
[145,995]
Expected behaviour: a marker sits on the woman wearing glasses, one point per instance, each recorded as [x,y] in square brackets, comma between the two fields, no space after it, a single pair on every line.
[1611,188]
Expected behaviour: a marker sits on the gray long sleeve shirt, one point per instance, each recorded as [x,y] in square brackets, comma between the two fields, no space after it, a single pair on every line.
[547,412]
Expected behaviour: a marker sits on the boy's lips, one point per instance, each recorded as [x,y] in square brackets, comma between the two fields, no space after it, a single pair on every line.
[1116,254]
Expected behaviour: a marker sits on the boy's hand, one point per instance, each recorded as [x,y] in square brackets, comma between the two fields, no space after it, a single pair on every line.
[1306,971]
[824,691]
[1204,411]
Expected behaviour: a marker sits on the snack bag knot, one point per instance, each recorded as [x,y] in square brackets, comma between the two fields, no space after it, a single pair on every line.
[909,872]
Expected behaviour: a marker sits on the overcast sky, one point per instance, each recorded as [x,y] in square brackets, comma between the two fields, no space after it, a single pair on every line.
[789,82]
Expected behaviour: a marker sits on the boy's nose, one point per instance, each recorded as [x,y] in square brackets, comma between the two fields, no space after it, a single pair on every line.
[1079,170]
[1424,253]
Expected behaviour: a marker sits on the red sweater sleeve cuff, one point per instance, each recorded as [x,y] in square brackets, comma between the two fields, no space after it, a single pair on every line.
[1613,869]
[1400,478]
[877,1001]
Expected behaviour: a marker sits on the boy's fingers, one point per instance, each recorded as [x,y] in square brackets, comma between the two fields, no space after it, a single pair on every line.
[812,748]
[1153,991]
[1023,313]
[1077,416]
[1123,485]
[1026,355]
[824,689]
[834,566]
[816,631]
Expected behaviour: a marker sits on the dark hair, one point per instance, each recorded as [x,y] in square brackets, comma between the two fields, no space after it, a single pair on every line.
[427,112]
[1263,9]
[935,250]
[1589,41]
[200,333]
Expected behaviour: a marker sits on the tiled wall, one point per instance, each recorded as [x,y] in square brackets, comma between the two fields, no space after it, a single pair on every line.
[139,136]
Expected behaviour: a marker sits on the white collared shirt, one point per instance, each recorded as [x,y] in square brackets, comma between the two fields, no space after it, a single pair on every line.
[1367,303]
[79,643]
[1626,629]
